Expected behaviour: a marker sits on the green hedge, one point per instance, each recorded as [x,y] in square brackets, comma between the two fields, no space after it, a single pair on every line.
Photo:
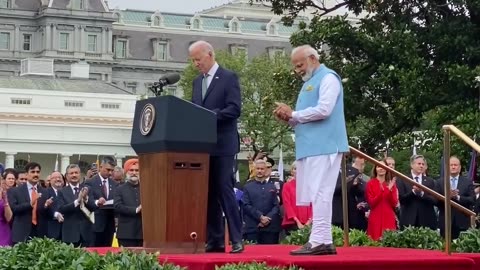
[410,237]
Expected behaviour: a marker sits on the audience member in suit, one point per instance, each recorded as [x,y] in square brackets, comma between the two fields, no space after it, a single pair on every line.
[462,193]
[103,189]
[54,227]
[128,207]
[476,201]
[77,227]
[218,90]
[417,206]
[27,204]
[22,177]
[261,208]
[357,205]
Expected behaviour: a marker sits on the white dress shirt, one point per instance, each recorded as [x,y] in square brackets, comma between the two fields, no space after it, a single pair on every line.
[211,73]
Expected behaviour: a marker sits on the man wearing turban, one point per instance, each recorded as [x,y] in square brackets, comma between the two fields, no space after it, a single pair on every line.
[129,208]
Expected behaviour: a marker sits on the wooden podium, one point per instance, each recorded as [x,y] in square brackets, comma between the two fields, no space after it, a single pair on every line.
[172,138]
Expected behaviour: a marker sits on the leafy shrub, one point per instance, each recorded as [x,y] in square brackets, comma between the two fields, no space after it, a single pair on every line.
[468,241]
[253,266]
[360,239]
[413,237]
[356,237]
[298,237]
[48,254]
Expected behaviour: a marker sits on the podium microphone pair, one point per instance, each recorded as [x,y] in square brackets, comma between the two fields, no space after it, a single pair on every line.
[167,79]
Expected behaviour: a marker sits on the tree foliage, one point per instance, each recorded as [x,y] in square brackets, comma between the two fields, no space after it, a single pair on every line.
[263,80]
[409,65]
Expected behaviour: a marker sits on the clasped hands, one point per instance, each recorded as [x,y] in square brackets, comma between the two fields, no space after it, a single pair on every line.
[283,112]
[264,221]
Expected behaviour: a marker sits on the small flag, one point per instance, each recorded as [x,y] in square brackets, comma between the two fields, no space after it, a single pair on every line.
[280,164]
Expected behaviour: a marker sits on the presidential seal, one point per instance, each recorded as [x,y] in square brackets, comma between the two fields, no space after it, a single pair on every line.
[147,119]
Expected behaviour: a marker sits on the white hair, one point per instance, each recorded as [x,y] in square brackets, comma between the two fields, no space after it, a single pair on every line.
[205,46]
[307,50]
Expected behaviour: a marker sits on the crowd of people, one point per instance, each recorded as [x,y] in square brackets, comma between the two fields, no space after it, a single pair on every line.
[83,211]
[376,203]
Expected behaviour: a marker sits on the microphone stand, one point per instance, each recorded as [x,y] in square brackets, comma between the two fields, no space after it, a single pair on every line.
[157,89]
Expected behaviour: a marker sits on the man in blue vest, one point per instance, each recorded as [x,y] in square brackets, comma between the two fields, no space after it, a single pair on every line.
[320,141]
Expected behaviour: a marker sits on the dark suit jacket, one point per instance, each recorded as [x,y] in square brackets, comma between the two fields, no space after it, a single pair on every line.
[19,200]
[222,97]
[104,215]
[467,196]
[260,199]
[415,208]
[355,194]
[127,199]
[54,229]
[75,222]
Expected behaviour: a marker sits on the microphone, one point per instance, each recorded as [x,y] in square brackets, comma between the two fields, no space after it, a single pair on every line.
[166,79]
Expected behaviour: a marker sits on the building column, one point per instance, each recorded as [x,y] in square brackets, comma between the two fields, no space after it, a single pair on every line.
[77,38]
[120,160]
[104,40]
[65,162]
[82,39]
[48,38]
[110,41]
[18,39]
[54,37]
[10,160]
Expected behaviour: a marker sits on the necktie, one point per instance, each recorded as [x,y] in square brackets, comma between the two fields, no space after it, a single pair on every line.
[76,191]
[453,183]
[204,85]
[104,187]
[417,179]
[34,210]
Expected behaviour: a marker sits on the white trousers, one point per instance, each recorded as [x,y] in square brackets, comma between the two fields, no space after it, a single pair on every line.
[316,181]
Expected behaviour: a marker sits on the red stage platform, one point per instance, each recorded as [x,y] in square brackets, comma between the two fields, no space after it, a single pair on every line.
[354,258]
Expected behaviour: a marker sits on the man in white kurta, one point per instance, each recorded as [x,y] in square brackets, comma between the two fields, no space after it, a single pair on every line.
[320,140]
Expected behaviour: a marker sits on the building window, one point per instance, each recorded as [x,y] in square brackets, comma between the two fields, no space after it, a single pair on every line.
[110,106]
[74,104]
[21,101]
[4,41]
[171,90]
[5,4]
[234,27]
[121,49]
[273,52]
[79,4]
[27,42]
[20,164]
[156,21]
[271,29]
[132,87]
[64,41]
[92,43]
[196,24]
[239,50]
[162,51]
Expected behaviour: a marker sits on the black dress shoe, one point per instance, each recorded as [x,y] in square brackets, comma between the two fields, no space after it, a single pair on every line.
[318,250]
[237,248]
[214,249]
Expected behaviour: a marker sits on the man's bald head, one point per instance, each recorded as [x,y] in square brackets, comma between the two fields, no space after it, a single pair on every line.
[202,55]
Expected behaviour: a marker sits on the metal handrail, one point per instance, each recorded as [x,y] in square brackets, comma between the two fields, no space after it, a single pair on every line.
[447,129]
[410,181]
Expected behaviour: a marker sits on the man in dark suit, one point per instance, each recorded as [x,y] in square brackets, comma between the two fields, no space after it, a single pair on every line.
[416,206]
[462,193]
[103,190]
[71,202]
[27,204]
[54,229]
[218,90]
[128,207]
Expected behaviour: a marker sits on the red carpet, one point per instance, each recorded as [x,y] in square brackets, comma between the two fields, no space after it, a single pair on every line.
[354,258]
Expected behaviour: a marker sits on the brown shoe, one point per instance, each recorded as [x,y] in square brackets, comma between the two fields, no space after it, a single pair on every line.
[318,250]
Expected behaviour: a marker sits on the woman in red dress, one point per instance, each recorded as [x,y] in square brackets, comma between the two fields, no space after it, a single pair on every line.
[382,197]
[295,217]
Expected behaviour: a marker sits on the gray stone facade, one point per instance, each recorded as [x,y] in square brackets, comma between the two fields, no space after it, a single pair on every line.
[129,48]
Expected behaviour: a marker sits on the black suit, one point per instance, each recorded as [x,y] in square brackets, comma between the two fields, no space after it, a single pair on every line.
[104,226]
[77,228]
[129,231]
[417,210]
[355,194]
[223,98]
[476,207]
[22,227]
[54,229]
[460,221]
